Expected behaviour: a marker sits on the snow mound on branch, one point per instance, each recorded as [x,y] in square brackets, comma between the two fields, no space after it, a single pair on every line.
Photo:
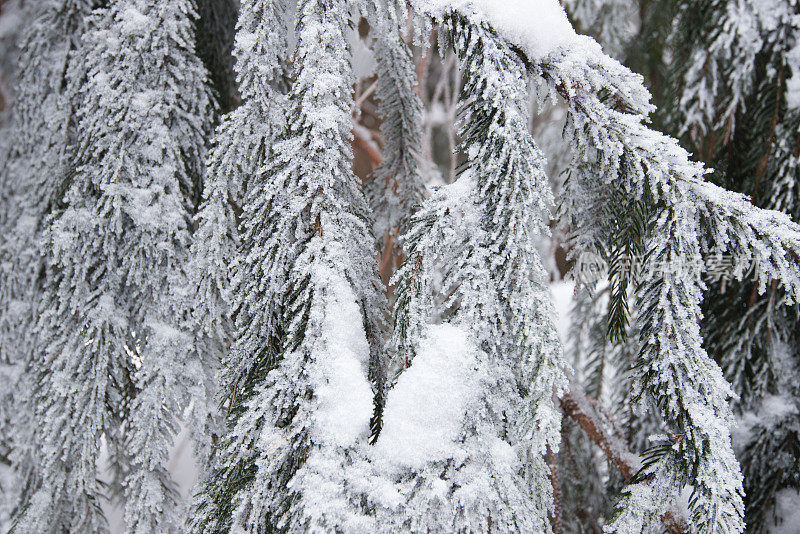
[538,27]
[343,389]
[425,411]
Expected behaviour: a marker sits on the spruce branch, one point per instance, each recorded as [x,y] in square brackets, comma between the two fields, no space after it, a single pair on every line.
[692,217]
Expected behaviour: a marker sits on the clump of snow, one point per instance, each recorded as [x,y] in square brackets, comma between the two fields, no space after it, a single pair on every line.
[502,453]
[771,411]
[562,293]
[793,83]
[363,60]
[538,27]
[343,389]
[425,410]
[134,21]
[246,40]
[787,508]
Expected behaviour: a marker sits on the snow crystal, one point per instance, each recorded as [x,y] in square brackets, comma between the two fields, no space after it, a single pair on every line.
[538,27]
[134,21]
[425,410]
[345,396]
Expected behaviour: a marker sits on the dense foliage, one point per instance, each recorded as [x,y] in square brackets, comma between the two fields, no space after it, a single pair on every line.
[323,247]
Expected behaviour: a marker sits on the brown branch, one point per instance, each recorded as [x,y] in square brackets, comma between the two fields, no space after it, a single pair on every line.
[552,460]
[367,146]
[387,259]
[580,409]
[572,405]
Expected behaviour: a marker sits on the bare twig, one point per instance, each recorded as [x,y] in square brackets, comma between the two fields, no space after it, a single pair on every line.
[552,460]
[581,410]
[365,95]
[368,146]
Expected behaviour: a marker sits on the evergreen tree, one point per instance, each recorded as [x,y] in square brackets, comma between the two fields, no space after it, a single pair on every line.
[606,107]
[212,252]
[603,347]
[589,481]
[689,216]
[115,355]
[731,65]
[241,147]
[612,22]
[40,136]
[397,187]
[143,278]
[638,33]
[230,272]
[44,111]
[14,17]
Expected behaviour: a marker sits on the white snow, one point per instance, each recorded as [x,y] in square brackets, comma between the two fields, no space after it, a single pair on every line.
[772,410]
[793,83]
[134,21]
[182,466]
[10,19]
[246,41]
[562,293]
[778,406]
[538,27]
[363,60]
[787,506]
[425,410]
[344,392]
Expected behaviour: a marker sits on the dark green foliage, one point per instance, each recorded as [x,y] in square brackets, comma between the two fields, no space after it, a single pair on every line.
[215,30]
[648,52]
[214,511]
[771,462]
[631,226]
